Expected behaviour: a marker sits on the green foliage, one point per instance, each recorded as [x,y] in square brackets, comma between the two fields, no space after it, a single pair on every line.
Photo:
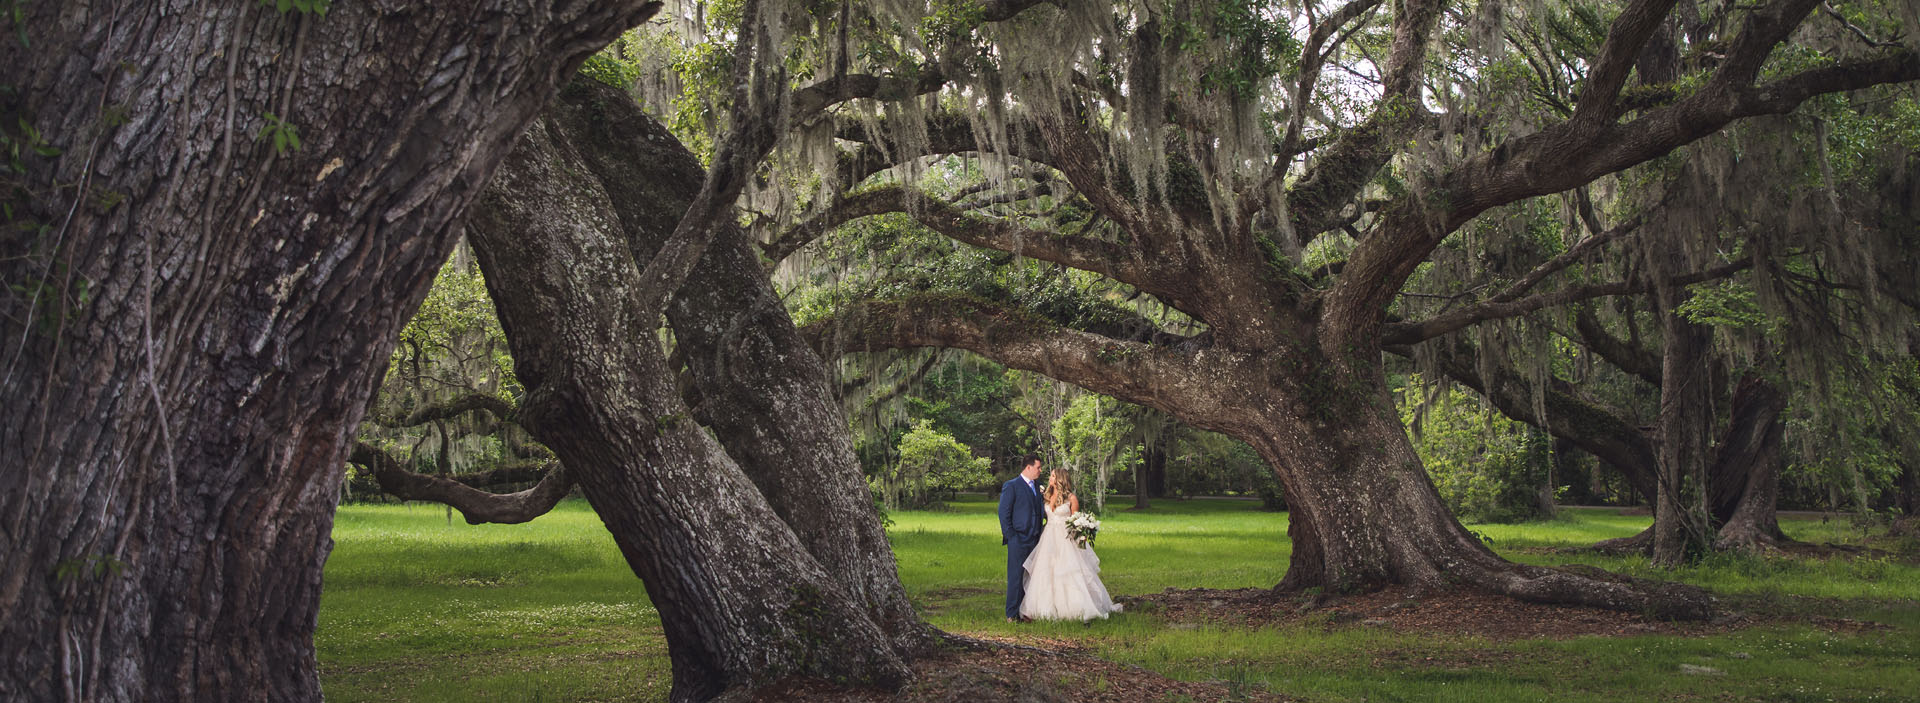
[285,137]
[610,69]
[1096,438]
[952,20]
[57,299]
[457,307]
[305,7]
[1723,304]
[16,13]
[931,463]
[1486,467]
[90,567]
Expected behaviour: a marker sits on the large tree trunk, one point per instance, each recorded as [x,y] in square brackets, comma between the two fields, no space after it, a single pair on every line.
[1157,471]
[1152,471]
[204,314]
[741,599]
[1364,513]
[760,388]
[1744,482]
[1681,521]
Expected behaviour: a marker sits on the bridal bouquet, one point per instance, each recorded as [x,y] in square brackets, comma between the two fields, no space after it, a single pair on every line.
[1083,527]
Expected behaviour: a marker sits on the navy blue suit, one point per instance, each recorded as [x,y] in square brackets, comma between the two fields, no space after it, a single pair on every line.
[1020,521]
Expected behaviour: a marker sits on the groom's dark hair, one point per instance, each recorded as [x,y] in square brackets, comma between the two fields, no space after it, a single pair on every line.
[1027,460]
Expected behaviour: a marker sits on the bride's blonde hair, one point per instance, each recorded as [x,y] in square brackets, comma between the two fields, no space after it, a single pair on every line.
[1059,487]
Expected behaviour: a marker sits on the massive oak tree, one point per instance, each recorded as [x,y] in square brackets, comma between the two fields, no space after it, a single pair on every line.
[220,219]
[1194,205]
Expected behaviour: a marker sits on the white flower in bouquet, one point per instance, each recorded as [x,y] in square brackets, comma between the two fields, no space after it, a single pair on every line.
[1083,528]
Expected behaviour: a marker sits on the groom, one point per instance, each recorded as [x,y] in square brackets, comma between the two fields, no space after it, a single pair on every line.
[1020,522]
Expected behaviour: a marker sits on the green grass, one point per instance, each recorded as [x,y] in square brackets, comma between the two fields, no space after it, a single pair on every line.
[418,609]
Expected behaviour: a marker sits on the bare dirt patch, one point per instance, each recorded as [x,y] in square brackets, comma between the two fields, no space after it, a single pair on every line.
[1460,612]
[994,671]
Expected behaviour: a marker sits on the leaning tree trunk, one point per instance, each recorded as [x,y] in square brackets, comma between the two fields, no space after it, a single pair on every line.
[740,598]
[203,305]
[1744,482]
[760,388]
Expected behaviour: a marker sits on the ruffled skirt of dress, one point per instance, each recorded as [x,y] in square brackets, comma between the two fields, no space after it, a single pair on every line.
[1063,580]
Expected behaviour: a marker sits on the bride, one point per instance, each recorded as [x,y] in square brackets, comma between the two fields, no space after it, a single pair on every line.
[1063,580]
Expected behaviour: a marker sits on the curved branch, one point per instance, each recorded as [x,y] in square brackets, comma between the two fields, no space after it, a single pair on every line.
[946,133]
[984,199]
[476,506]
[462,405]
[1145,374]
[1590,426]
[1494,309]
[1623,354]
[1117,261]
[811,101]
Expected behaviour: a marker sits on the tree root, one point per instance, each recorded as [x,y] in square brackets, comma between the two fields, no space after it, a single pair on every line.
[1620,546]
[1597,588]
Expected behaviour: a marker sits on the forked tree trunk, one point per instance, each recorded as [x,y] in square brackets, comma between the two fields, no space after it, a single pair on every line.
[761,389]
[205,308]
[741,599]
[1744,482]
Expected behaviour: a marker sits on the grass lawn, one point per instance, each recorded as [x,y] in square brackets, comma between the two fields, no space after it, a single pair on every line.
[420,608]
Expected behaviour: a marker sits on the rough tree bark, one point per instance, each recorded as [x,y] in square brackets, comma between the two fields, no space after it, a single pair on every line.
[741,599]
[761,389]
[1744,482]
[1680,519]
[204,314]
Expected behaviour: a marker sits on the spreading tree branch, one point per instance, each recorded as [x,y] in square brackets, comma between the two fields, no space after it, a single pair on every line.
[456,407]
[1137,372]
[1571,154]
[1493,309]
[476,506]
[1627,356]
[1359,152]
[1117,261]
[1600,431]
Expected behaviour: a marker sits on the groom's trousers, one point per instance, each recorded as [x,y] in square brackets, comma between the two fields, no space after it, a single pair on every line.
[1017,552]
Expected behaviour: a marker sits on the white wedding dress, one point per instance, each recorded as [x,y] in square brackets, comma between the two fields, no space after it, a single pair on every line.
[1063,580]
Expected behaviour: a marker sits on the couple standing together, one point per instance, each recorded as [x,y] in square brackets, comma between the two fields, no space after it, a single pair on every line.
[1049,577]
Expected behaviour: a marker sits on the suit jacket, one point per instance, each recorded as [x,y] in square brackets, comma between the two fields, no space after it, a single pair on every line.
[1020,513]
